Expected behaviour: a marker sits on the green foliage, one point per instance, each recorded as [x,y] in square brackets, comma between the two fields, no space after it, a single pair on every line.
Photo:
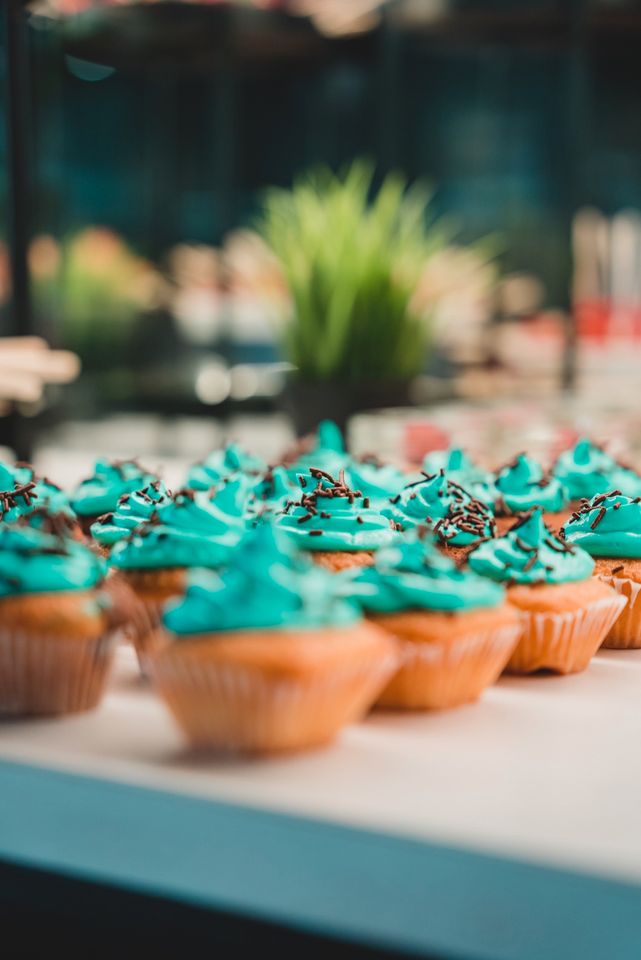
[352,267]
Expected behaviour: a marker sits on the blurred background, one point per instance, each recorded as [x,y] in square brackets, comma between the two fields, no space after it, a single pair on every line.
[139,227]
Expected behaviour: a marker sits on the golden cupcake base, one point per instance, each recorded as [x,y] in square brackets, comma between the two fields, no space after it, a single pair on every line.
[563,625]
[447,659]
[625,634]
[55,654]
[263,692]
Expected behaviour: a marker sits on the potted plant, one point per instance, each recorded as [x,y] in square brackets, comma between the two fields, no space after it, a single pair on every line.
[352,259]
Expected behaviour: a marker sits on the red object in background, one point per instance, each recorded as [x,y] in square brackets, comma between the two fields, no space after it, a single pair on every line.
[600,320]
[421,437]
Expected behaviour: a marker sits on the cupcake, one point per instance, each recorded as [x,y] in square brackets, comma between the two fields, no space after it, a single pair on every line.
[586,470]
[190,530]
[56,639]
[132,510]
[230,461]
[458,467]
[455,629]
[458,520]
[266,656]
[100,493]
[324,451]
[566,612]
[334,523]
[608,527]
[522,485]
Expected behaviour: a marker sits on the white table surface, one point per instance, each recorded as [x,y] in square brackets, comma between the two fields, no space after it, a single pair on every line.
[545,769]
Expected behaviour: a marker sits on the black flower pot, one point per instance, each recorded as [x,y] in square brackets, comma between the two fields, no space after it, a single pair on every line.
[309,401]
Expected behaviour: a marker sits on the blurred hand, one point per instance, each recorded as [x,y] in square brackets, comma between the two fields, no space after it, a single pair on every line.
[28,363]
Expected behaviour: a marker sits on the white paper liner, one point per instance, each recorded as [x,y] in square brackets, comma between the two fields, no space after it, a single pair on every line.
[625,633]
[45,674]
[440,675]
[558,641]
[231,708]
[451,654]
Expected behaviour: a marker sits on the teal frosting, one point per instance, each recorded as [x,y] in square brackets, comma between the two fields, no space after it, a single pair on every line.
[273,492]
[37,505]
[190,530]
[25,495]
[586,470]
[377,481]
[221,464]
[326,453]
[15,474]
[608,526]
[331,516]
[61,522]
[414,575]
[230,498]
[51,497]
[101,492]
[457,466]
[529,553]
[455,515]
[269,584]
[132,510]
[523,484]
[35,562]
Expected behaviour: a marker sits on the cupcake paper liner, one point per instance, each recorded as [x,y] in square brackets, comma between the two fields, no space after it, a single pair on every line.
[233,708]
[625,634]
[44,674]
[146,633]
[564,642]
[150,591]
[437,675]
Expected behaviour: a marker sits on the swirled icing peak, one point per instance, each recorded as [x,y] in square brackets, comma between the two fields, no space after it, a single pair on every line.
[377,481]
[529,553]
[457,466]
[221,464]
[268,584]
[100,493]
[587,470]
[609,525]
[190,530]
[523,484]
[413,575]
[332,516]
[327,452]
[32,561]
[456,516]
